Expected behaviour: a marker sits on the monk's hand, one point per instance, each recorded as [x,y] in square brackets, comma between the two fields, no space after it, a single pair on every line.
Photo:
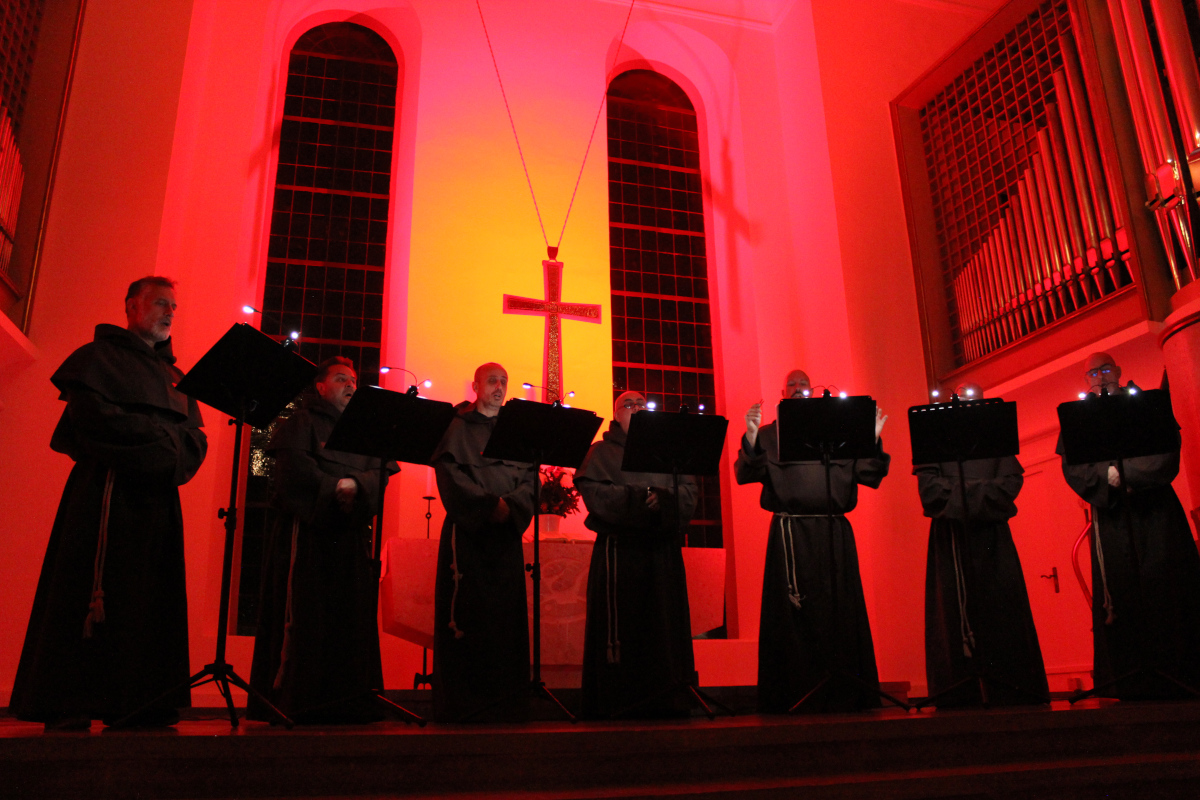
[880,419]
[346,491]
[500,512]
[651,498]
[1114,477]
[753,421]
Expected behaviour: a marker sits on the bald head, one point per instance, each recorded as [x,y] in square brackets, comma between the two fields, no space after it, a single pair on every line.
[796,384]
[490,387]
[1102,373]
[625,406]
[969,391]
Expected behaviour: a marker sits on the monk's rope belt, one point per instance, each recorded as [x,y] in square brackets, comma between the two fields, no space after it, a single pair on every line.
[787,524]
[610,600]
[457,577]
[286,649]
[964,624]
[95,613]
[1108,603]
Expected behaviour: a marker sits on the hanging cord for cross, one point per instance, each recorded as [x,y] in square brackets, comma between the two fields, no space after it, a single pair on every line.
[528,180]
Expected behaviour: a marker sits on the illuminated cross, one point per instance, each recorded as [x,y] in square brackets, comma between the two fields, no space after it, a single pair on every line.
[554,310]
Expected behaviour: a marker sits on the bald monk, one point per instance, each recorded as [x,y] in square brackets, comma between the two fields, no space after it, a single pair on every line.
[797,632]
[638,641]
[1148,617]
[481,627]
[977,615]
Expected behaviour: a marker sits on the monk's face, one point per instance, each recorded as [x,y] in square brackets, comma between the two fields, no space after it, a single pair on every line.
[339,386]
[796,384]
[626,406]
[490,387]
[1102,373]
[150,313]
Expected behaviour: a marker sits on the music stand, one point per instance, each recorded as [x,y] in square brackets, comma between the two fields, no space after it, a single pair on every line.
[539,434]
[828,428]
[250,377]
[676,444]
[390,426]
[960,431]
[1114,427]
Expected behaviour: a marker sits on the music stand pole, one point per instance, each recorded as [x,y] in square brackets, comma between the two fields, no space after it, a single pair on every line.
[424,677]
[219,671]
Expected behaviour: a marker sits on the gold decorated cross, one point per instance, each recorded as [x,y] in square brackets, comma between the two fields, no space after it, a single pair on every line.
[555,311]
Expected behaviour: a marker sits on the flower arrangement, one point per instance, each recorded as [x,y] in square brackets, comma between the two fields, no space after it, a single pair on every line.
[558,494]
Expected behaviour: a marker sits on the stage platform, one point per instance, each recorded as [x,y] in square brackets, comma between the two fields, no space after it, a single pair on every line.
[1096,749]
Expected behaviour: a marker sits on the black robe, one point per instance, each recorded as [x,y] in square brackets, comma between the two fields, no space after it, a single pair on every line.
[638,639]
[321,666]
[1156,608]
[1000,626]
[481,617]
[124,418]
[798,634]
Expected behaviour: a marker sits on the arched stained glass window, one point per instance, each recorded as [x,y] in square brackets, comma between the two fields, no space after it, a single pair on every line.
[662,328]
[329,222]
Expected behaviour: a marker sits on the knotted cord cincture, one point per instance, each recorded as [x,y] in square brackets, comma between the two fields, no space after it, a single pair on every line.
[788,531]
[610,589]
[95,613]
[457,577]
[521,153]
[286,648]
[964,624]
[1110,614]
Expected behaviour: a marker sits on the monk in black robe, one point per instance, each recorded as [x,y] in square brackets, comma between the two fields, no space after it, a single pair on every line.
[480,611]
[1146,617]
[108,631]
[638,640]
[799,634]
[977,615]
[316,651]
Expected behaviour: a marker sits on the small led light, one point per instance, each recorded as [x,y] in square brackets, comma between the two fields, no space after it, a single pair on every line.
[248,309]
[806,392]
[384,370]
[1082,395]
[652,405]
[294,335]
[970,392]
[701,406]
[1132,390]
[427,383]
[526,385]
[564,405]
[570,394]
[842,395]
[935,393]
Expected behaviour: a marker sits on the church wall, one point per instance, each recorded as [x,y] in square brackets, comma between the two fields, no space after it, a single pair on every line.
[101,234]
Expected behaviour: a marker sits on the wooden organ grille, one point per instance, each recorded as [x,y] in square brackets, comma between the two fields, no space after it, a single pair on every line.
[326,254]
[1027,229]
[662,329]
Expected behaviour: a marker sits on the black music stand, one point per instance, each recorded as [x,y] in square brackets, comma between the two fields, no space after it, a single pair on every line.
[390,426]
[825,429]
[539,434]
[676,444]
[1114,427]
[958,431]
[250,377]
